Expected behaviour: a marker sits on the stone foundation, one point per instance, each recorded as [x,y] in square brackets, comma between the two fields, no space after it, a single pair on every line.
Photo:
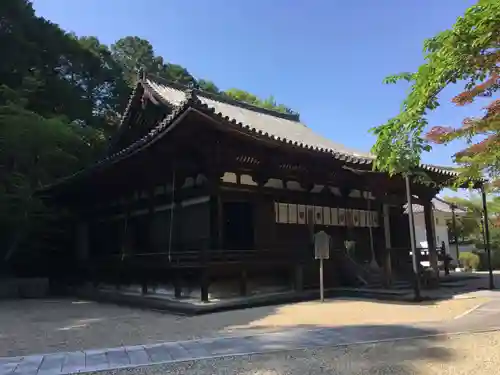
[24,288]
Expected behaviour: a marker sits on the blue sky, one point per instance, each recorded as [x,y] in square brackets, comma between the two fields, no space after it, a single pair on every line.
[324,58]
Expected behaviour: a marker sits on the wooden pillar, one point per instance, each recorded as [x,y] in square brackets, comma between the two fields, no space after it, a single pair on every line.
[216,220]
[82,241]
[411,224]
[204,284]
[431,236]
[151,208]
[345,191]
[214,172]
[373,255]
[299,277]
[487,237]
[216,235]
[126,248]
[310,217]
[243,283]
[387,253]
[455,235]
[175,222]
[177,284]
[261,178]
[82,250]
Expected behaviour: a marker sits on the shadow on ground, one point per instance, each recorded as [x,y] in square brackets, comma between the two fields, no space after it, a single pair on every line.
[399,357]
[46,326]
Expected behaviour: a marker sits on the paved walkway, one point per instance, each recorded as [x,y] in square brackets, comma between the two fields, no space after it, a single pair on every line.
[482,318]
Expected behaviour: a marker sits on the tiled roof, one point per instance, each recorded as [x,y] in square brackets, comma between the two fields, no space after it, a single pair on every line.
[261,122]
[439,205]
[272,124]
[286,128]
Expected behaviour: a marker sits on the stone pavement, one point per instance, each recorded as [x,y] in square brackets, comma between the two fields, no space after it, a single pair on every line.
[482,318]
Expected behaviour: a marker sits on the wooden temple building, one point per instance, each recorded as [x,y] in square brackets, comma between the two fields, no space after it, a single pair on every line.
[200,189]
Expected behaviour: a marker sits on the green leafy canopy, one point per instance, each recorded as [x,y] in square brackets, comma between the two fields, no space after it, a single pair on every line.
[467,53]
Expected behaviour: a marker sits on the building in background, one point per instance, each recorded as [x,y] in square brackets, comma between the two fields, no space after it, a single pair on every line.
[442,216]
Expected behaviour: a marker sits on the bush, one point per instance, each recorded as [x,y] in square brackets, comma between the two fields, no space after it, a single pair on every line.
[483,260]
[469,261]
[495,259]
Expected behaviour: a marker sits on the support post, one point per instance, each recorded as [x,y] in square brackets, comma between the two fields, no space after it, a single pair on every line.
[177,285]
[431,237]
[127,246]
[214,174]
[243,283]
[373,261]
[82,241]
[487,235]
[321,284]
[204,285]
[454,228]
[151,211]
[416,284]
[82,250]
[388,245]
[299,277]
[216,238]
[216,220]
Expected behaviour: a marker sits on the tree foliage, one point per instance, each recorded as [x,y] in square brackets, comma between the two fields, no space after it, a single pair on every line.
[467,54]
[134,54]
[61,97]
[208,86]
[470,224]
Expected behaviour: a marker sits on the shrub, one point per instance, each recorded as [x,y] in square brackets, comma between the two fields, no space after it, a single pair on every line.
[495,259]
[483,260]
[469,261]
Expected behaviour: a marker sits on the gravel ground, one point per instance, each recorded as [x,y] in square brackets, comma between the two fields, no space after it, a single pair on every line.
[46,326]
[462,354]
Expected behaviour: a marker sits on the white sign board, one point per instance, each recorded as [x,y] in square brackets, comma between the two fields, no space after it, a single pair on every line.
[321,245]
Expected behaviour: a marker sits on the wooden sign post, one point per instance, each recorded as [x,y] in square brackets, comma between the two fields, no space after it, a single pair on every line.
[321,252]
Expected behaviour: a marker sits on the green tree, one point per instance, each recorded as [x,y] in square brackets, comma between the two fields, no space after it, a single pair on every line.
[56,94]
[57,73]
[269,103]
[208,86]
[242,96]
[468,53]
[133,54]
[35,151]
[104,82]
[470,224]
[178,74]
[466,227]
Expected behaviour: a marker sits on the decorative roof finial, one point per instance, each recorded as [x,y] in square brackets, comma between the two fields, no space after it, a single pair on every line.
[141,74]
[189,94]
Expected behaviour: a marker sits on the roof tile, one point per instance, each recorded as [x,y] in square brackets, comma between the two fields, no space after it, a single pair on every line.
[262,122]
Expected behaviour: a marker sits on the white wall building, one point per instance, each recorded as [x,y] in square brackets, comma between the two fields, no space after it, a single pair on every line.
[442,214]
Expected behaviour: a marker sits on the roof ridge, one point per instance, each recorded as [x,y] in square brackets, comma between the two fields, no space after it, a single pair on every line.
[224,99]
[450,204]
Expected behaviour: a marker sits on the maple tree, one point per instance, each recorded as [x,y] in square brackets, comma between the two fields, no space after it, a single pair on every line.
[467,53]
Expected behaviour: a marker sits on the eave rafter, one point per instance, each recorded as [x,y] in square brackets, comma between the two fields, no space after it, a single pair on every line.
[305,159]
